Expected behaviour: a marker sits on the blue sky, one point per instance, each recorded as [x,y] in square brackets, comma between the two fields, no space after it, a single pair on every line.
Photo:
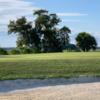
[78,15]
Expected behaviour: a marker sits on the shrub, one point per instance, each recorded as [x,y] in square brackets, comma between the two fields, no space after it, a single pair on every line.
[3,51]
[25,50]
[36,51]
[72,47]
[15,51]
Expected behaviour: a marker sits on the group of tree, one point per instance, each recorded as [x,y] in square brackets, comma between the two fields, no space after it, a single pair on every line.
[43,35]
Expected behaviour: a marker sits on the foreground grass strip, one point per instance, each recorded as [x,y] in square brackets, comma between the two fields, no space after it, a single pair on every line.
[51,65]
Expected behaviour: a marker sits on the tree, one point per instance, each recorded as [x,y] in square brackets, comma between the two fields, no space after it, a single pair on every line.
[27,35]
[45,25]
[64,33]
[40,12]
[43,36]
[86,42]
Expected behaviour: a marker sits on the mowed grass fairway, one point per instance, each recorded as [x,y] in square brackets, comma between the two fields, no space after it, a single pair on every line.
[50,65]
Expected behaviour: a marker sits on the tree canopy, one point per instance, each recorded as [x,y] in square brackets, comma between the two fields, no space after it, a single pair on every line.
[64,32]
[86,41]
[43,35]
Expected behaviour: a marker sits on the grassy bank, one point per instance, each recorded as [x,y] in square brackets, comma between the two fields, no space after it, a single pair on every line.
[52,65]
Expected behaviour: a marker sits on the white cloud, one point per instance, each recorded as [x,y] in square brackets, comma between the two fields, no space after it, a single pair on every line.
[71,14]
[12,9]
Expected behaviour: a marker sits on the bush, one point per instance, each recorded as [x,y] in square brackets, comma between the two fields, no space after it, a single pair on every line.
[36,51]
[72,47]
[15,51]
[3,51]
[25,50]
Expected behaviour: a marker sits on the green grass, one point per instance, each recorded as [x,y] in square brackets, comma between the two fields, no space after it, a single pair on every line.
[51,65]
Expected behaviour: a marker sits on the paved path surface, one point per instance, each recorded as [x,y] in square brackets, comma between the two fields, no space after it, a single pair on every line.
[88,91]
[76,91]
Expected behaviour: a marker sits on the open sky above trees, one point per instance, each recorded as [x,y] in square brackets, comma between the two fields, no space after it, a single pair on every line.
[78,15]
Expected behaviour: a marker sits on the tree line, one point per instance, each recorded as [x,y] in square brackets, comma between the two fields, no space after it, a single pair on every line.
[43,35]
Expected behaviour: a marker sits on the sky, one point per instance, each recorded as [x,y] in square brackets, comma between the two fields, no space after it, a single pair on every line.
[78,15]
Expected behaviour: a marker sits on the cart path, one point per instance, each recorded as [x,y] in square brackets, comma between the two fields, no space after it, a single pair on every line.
[64,89]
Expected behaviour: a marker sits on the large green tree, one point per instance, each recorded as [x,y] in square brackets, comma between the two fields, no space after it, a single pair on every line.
[45,25]
[86,42]
[27,36]
[43,35]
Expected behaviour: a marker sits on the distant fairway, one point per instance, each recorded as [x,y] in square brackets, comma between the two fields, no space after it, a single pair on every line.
[52,65]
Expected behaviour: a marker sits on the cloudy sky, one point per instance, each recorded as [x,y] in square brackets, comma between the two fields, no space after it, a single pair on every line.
[78,15]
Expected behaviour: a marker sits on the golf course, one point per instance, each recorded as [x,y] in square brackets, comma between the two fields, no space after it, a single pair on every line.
[49,65]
